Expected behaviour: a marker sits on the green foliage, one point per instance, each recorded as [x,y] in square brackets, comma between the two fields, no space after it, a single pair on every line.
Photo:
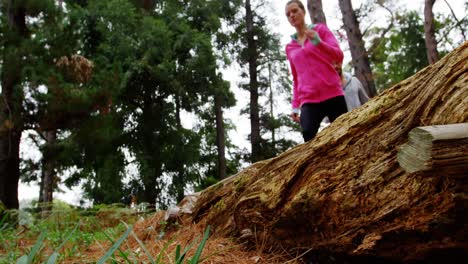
[119,131]
[70,240]
[402,54]
[55,255]
[151,62]
[206,182]
[64,233]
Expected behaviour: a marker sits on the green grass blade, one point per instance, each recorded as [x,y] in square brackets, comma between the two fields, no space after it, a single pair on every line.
[197,255]
[177,252]
[53,258]
[3,221]
[36,247]
[163,250]
[27,259]
[23,260]
[68,237]
[144,248]
[115,246]
[110,239]
[141,245]
[186,249]
[108,236]
[124,256]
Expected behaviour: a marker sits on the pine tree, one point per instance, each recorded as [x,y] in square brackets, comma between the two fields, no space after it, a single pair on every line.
[258,48]
[15,33]
[402,53]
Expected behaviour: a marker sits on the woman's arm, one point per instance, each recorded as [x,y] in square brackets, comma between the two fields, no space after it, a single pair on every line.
[295,95]
[327,43]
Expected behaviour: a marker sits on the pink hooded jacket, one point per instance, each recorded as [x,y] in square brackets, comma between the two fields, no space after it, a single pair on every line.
[312,65]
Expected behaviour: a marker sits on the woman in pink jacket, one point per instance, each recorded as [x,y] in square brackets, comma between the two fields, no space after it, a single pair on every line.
[313,53]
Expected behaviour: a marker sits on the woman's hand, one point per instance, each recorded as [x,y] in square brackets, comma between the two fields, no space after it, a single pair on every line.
[295,117]
[310,33]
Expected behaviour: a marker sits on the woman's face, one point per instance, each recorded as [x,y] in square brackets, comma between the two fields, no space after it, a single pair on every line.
[295,14]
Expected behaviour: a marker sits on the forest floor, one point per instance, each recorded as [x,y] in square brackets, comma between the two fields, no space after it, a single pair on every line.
[84,237]
[217,250]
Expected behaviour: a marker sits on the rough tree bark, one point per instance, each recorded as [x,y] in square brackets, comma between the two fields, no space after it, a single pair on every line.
[48,171]
[11,124]
[253,84]
[271,104]
[429,32]
[345,193]
[147,5]
[359,55]
[220,138]
[178,179]
[316,11]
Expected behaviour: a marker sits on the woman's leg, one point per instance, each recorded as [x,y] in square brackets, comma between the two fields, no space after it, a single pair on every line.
[311,116]
[335,107]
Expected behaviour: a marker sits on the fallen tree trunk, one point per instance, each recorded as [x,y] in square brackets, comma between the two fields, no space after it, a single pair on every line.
[443,147]
[345,193]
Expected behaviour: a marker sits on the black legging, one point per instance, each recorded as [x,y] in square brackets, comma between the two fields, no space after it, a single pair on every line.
[312,114]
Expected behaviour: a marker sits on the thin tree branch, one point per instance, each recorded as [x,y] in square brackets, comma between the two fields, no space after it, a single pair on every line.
[458,21]
[376,44]
[371,24]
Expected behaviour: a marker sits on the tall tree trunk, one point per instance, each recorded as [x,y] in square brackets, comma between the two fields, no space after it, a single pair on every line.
[272,116]
[254,108]
[9,162]
[429,32]
[147,5]
[345,194]
[359,54]
[316,11]
[220,137]
[48,171]
[178,179]
[151,158]
[11,125]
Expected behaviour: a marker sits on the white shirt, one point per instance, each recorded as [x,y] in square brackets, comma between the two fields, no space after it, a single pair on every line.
[355,95]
